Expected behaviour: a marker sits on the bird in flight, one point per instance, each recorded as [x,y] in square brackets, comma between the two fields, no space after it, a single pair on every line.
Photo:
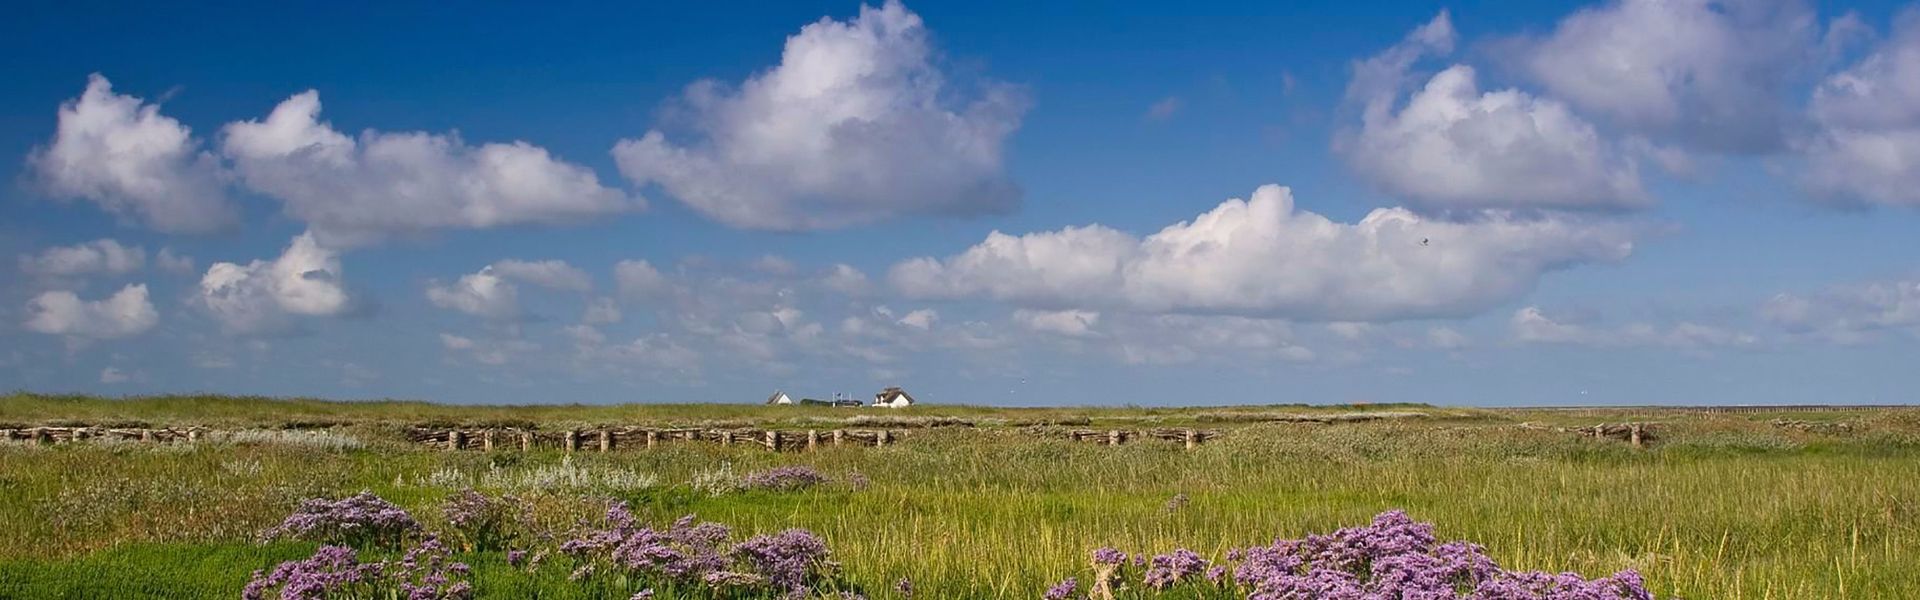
[1423,241]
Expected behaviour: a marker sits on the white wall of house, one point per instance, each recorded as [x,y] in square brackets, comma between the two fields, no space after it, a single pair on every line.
[782,398]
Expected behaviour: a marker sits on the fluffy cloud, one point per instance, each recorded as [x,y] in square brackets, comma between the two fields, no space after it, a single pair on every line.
[128,312]
[122,154]
[1264,258]
[1868,145]
[1072,323]
[550,274]
[1706,73]
[1532,326]
[638,279]
[1451,146]
[601,311]
[103,256]
[483,294]
[855,125]
[352,191]
[262,296]
[1848,314]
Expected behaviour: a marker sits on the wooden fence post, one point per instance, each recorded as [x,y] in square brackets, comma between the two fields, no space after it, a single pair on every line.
[838,435]
[606,440]
[1192,438]
[886,435]
[1113,437]
[526,441]
[652,437]
[1634,433]
[813,439]
[573,440]
[726,438]
[486,440]
[193,435]
[454,439]
[773,440]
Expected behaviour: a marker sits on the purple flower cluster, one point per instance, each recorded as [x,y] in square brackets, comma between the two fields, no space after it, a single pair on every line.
[783,479]
[1062,590]
[482,522]
[425,572]
[1393,557]
[792,562]
[361,518]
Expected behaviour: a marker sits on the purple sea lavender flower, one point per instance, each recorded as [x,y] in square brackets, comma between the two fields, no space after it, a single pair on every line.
[1062,590]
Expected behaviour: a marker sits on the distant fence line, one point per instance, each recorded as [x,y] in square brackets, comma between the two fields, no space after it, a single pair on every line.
[777,440]
[49,435]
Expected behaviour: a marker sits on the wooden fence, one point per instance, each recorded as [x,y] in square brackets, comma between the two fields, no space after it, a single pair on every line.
[50,435]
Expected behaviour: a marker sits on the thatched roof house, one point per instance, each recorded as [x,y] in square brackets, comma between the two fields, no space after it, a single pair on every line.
[893,397]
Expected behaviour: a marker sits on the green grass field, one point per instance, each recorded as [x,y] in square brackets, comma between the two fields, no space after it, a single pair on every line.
[1721,506]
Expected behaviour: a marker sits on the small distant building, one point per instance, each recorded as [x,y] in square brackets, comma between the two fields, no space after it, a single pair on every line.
[779,397]
[893,397]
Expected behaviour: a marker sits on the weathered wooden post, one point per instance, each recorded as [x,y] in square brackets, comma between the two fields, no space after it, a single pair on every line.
[1113,437]
[146,435]
[652,437]
[1191,437]
[838,436]
[1634,434]
[773,440]
[885,435]
[193,435]
[813,439]
[455,438]
[486,440]
[573,440]
[526,441]
[606,440]
[726,438]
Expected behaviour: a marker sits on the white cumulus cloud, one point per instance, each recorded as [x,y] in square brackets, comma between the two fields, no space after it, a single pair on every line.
[1452,146]
[126,313]
[1850,313]
[359,190]
[1709,74]
[855,125]
[263,296]
[482,294]
[102,256]
[120,153]
[550,274]
[1072,323]
[1867,147]
[1263,257]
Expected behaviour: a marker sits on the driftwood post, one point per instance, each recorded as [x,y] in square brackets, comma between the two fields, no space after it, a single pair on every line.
[1634,433]
[146,435]
[726,438]
[455,438]
[1113,437]
[885,436]
[813,439]
[838,435]
[606,440]
[652,436]
[573,440]
[773,440]
[486,440]
[193,435]
[526,441]
[1191,437]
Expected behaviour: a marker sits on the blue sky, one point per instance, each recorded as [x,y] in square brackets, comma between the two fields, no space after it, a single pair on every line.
[1486,203]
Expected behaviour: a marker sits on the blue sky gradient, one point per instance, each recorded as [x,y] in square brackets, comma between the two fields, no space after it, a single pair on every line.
[1778,274]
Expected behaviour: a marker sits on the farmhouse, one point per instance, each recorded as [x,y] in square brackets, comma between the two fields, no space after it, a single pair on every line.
[779,397]
[892,397]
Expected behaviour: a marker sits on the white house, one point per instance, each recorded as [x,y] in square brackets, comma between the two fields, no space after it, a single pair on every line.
[892,397]
[779,397]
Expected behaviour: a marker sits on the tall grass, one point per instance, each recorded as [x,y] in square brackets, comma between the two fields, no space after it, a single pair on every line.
[1722,507]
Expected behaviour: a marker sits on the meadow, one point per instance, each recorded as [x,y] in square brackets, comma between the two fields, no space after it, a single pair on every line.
[1780,504]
